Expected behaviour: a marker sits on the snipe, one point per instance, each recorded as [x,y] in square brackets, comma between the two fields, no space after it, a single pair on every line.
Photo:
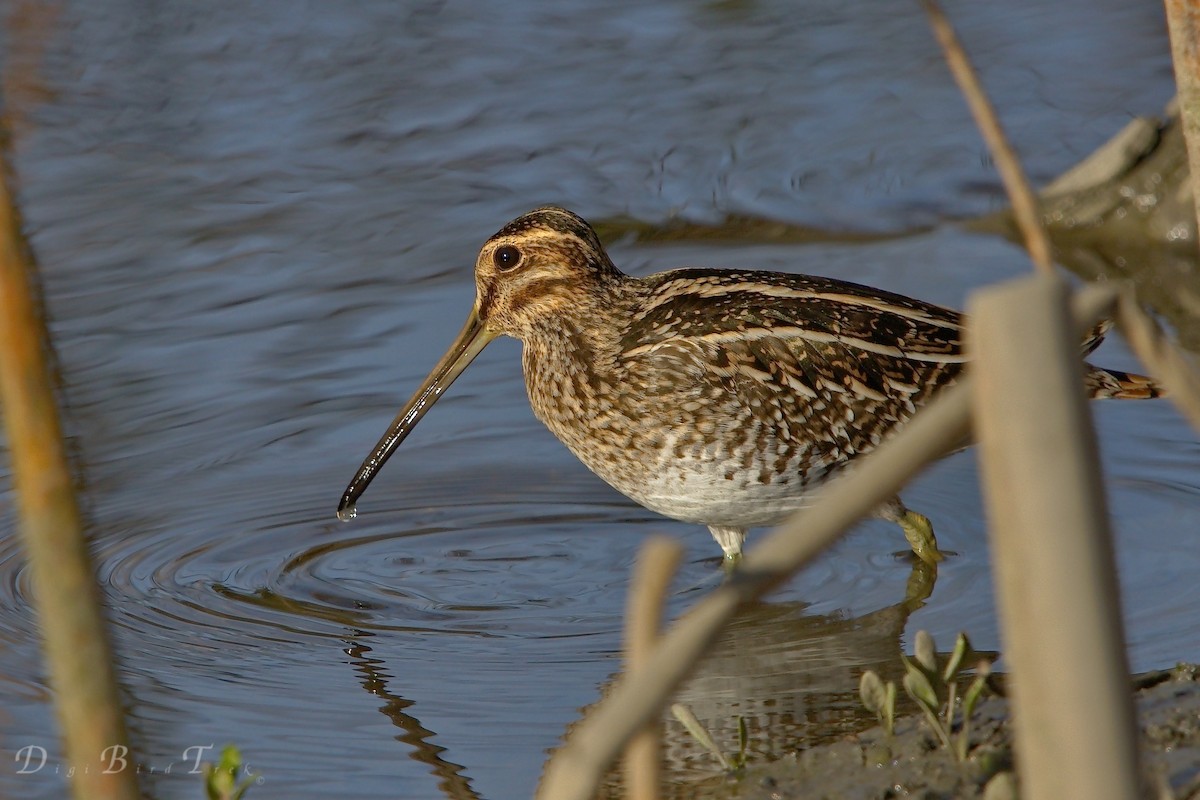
[721,397]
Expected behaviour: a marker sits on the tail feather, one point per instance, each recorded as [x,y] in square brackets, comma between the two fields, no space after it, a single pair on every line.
[1104,383]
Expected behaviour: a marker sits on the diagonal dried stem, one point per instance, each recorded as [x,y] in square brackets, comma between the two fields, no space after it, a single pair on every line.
[1020,193]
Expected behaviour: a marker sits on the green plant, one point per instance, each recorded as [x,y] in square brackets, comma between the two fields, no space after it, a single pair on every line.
[221,779]
[880,698]
[934,687]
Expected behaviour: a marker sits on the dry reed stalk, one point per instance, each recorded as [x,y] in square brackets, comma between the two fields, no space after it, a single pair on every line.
[1052,550]
[65,590]
[656,566]
[1020,193]
[1183,22]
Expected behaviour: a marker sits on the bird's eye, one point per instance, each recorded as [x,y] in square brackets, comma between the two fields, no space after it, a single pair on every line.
[506,257]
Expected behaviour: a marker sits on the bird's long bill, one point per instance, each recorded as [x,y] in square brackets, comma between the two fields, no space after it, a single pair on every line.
[471,340]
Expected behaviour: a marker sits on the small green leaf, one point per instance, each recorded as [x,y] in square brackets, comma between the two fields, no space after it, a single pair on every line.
[872,692]
[918,687]
[973,694]
[962,649]
[220,779]
[925,651]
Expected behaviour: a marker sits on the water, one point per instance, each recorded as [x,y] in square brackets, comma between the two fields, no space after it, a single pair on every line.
[257,224]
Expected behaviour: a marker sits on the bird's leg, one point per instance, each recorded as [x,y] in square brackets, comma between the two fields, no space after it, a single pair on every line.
[730,540]
[917,529]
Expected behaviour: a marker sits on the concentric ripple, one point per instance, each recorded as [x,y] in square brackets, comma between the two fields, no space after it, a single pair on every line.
[493,568]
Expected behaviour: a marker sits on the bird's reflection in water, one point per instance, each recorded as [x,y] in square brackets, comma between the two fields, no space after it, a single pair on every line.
[792,676]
